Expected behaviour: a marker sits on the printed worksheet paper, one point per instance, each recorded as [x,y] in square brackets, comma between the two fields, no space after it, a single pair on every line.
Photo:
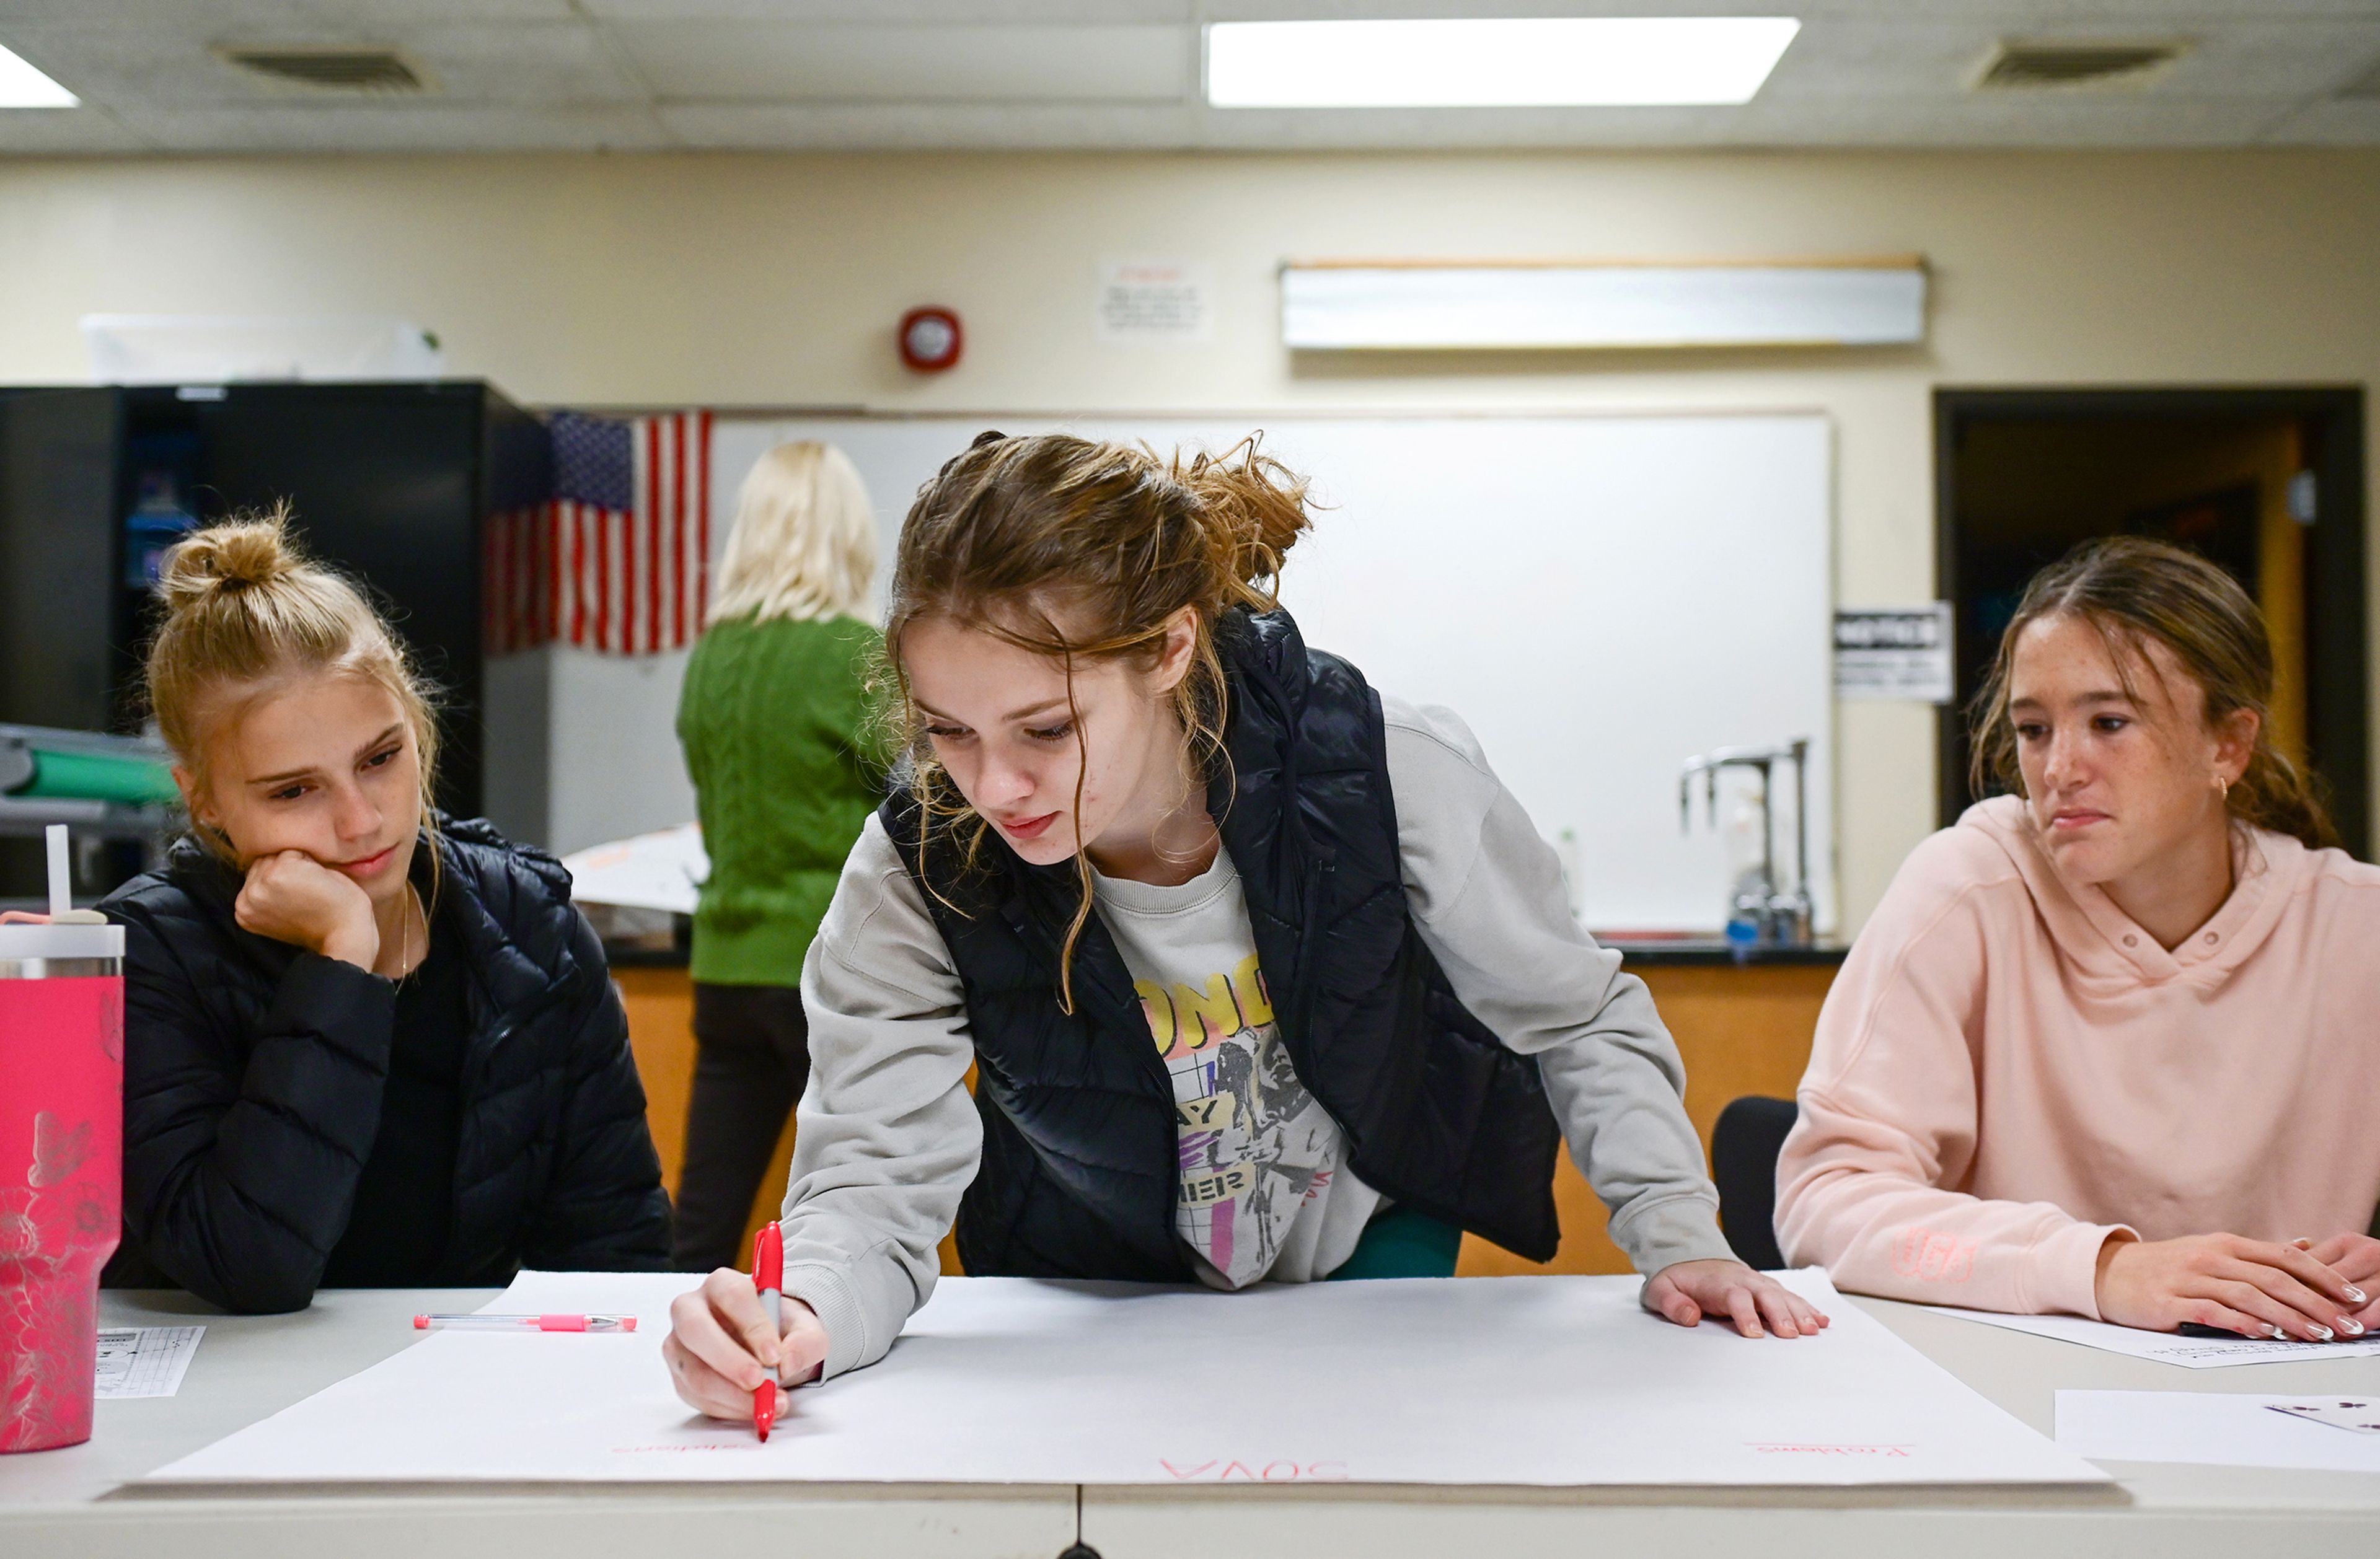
[2167,1347]
[145,1360]
[2229,1429]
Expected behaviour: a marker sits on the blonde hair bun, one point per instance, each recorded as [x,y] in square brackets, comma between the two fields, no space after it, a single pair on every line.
[244,603]
[238,554]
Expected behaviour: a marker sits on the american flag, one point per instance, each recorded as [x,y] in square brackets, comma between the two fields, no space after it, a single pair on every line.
[618,560]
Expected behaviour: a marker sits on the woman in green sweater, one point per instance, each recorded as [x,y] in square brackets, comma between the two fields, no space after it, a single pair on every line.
[773,719]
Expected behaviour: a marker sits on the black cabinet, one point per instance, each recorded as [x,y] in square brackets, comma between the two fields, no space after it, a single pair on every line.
[394,483]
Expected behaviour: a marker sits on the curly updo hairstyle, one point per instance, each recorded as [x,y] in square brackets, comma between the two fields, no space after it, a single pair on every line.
[1015,533]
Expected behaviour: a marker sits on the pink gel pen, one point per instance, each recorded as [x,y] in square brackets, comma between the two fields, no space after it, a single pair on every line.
[485,1323]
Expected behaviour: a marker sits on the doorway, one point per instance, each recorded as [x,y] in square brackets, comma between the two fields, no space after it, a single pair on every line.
[2267,483]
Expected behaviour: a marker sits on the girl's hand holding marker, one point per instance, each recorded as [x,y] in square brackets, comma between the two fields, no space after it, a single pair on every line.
[768,1278]
[723,1349]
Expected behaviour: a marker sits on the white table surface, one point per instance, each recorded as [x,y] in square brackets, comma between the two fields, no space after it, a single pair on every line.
[74,1501]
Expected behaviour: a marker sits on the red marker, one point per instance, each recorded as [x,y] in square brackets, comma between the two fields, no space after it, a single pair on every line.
[769,1277]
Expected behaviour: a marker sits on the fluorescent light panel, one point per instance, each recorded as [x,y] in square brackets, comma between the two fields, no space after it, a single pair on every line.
[1410,308]
[1563,62]
[21,86]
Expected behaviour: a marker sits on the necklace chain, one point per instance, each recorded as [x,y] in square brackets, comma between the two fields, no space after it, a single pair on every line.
[406,962]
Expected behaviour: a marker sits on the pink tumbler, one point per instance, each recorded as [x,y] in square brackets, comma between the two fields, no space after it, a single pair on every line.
[61,1170]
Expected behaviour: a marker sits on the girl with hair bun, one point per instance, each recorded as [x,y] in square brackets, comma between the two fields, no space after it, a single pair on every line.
[365,1045]
[2106,1048]
[1263,975]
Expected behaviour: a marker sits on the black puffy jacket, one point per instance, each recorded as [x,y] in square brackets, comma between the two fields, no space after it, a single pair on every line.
[252,1076]
[1080,1164]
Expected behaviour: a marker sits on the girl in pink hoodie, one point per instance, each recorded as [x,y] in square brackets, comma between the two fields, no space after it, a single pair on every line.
[2111,1045]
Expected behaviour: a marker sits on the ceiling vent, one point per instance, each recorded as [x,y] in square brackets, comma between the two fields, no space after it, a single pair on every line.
[363,71]
[2016,67]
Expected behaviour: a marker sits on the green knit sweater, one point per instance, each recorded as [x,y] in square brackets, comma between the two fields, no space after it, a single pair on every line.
[772,718]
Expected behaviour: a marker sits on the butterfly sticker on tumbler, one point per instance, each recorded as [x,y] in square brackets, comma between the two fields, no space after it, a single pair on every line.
[58,1152]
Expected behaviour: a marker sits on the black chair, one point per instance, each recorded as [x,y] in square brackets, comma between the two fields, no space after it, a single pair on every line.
[1744,1144]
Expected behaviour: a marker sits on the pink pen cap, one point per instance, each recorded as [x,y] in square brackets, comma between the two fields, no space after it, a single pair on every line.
[484,1322]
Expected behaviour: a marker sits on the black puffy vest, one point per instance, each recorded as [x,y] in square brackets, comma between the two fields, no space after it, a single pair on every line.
[1079,1172]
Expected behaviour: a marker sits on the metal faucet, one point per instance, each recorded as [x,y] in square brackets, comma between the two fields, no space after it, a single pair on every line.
[1778,917]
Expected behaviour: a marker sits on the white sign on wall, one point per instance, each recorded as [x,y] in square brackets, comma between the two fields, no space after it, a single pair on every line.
[1894,653]
[1155,302]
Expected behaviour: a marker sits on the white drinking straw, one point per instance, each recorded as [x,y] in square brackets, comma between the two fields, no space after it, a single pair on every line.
[61,884]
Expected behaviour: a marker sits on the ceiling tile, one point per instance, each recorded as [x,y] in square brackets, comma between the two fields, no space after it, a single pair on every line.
[559,62]
[928,127]
[415,127]
[31,132]
[1121,74]
[2282,60]
[895,12]
[822,63]
[2333,122]
[1994,120]
[113,65]
[2098,15]
[541,62]
[352,17]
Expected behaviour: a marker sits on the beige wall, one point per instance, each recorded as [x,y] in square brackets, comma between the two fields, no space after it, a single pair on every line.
[758,280]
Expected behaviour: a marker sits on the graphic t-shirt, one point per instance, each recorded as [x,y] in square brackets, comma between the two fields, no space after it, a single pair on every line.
[1262,1192]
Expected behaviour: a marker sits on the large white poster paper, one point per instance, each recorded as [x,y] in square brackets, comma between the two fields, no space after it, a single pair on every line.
[1507,1381]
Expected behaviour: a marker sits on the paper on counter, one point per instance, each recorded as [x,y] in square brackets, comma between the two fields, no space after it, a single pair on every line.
[2358,1415]
[656,871]
[2167,1347]
[2226,1428]
[145,1360]
[1544,1381]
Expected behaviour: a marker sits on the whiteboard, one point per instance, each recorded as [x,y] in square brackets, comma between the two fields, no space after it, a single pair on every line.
[1599,598]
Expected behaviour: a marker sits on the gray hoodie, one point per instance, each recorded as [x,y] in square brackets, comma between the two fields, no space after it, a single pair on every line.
[887,1138]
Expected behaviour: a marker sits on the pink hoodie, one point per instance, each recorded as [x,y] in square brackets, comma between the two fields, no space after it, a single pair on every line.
[2010,1070]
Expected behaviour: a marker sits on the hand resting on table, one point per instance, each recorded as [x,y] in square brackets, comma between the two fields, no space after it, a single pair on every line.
[1686,1291]
[2355,1257]
[2256,1287]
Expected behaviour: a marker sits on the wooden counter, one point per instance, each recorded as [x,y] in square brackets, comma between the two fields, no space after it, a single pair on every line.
[1741,1028]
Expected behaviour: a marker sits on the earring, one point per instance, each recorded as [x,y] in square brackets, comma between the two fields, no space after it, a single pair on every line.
[2222,789]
